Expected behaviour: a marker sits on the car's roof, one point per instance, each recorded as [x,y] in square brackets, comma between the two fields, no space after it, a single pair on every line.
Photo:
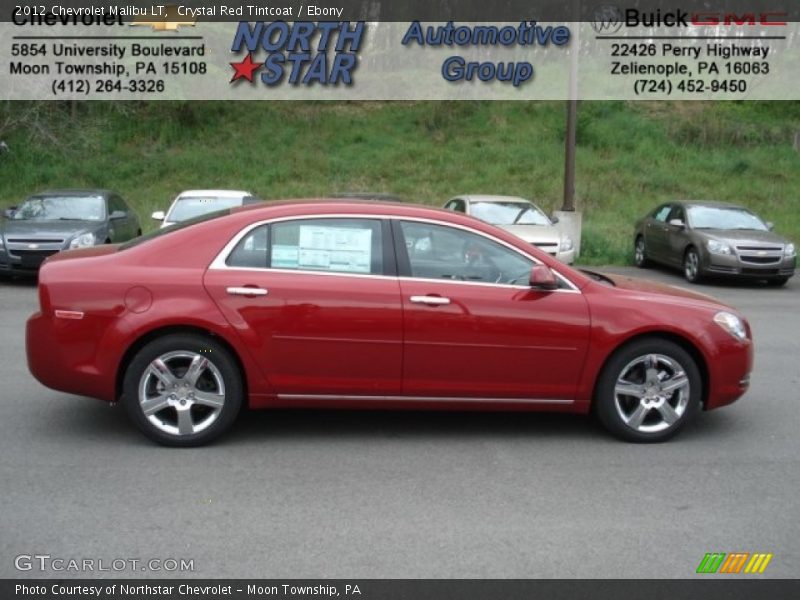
[708,203]
[217,193]
[382,196]
[74,192]
[491,198]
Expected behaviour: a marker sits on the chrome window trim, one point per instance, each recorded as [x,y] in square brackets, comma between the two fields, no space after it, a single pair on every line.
[219,264]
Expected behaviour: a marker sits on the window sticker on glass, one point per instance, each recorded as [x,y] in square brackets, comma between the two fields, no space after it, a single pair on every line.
[334,248]
[285,257]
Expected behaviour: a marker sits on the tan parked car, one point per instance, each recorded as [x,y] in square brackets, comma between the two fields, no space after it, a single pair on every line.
[713,239]
[520,217]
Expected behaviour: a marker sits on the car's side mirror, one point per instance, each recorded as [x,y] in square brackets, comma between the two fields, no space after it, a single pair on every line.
[9,212]
[117,214]
[158,215]
[554,219]
[677,223]
[770,225]
[543,278]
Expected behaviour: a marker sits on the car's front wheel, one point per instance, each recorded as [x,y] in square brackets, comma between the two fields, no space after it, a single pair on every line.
[691,266]
[648,390]
[183,390]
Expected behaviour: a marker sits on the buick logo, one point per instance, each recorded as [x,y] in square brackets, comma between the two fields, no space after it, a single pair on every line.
[607,19]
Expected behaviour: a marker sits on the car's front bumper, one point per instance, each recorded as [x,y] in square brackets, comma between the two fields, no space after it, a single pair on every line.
[725,265]
[24,261]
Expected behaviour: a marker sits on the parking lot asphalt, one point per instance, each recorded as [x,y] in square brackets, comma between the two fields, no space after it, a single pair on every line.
[388,494]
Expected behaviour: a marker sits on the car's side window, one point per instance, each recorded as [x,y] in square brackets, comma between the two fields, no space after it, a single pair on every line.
[677,213]
[456,205]
[661,213]
[338,245]
[251,251]
[442,252]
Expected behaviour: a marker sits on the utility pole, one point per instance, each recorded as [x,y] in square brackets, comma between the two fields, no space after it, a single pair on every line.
[569,161]
[570,219]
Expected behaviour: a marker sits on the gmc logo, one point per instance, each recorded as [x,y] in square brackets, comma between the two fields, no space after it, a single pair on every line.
[719,18]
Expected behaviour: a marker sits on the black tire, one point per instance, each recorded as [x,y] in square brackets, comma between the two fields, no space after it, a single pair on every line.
[640,253]
[691,265]
[778,281]
[610,406]
[219,373]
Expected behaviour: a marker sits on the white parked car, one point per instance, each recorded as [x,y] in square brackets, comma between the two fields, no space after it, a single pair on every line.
[195,203]
[520,217]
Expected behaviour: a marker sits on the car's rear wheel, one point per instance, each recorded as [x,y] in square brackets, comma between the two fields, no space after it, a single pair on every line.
[691,266]
[183,390]
[648,391]
[640,253]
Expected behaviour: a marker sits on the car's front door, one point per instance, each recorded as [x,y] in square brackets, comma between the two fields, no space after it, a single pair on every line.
[677,235]
[318,303]
[473,326]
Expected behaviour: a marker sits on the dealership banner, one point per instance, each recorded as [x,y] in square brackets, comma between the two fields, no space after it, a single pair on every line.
[399,51]
[399,589]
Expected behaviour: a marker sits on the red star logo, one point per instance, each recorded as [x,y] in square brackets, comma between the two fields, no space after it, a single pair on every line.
[245,69]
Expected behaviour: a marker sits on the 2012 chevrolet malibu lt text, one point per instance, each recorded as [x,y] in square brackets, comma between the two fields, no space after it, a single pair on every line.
[352,304]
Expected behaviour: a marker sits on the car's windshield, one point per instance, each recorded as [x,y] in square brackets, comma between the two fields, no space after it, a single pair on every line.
[508,213]
[177,227]
[194,206]
[717,217]
[61,208]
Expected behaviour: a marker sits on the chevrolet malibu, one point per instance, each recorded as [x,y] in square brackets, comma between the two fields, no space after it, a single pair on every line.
[354,304]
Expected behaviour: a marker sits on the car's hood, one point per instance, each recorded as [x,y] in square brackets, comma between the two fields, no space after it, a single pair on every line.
[744,236]
[539,234]
[653,287]
[45,229]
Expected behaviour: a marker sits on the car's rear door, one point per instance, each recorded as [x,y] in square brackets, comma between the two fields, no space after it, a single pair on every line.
[318,303]
[655,233]
[473,326]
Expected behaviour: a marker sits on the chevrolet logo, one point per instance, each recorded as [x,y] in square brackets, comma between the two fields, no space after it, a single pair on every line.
[171,21]
[33,246]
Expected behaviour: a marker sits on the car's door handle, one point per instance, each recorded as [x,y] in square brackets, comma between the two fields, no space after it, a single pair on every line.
[430,300]
[246,291]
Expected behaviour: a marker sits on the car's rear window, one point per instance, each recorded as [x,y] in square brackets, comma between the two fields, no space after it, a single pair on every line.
[172,228]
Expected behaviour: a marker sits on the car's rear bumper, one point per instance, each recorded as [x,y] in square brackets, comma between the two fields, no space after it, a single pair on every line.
[61,357]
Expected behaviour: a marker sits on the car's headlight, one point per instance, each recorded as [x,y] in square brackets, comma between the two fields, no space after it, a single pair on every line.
[82,241]
[566,244]
[717,247]
[732,324]
[788,251]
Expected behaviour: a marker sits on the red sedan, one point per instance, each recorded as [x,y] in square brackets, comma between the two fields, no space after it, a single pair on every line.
[352,304]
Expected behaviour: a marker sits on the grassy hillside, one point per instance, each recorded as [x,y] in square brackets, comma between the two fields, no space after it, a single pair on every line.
[630,155]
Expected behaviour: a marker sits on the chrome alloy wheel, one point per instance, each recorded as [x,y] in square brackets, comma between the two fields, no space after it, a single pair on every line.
[691,265]
[652,393]
[639,251]
[181,393]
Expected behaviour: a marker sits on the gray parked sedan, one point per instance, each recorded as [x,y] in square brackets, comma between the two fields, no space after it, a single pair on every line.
[713,238]
[49,222]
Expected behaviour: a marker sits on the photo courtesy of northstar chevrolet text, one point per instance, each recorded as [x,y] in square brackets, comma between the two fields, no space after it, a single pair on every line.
[389,300]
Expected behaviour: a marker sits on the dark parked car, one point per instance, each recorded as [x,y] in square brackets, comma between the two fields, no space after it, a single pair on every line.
[713,239]
[49,222]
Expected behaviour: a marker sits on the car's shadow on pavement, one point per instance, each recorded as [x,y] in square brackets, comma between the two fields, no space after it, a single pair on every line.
[674,277]
[80,421]
[19,281]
